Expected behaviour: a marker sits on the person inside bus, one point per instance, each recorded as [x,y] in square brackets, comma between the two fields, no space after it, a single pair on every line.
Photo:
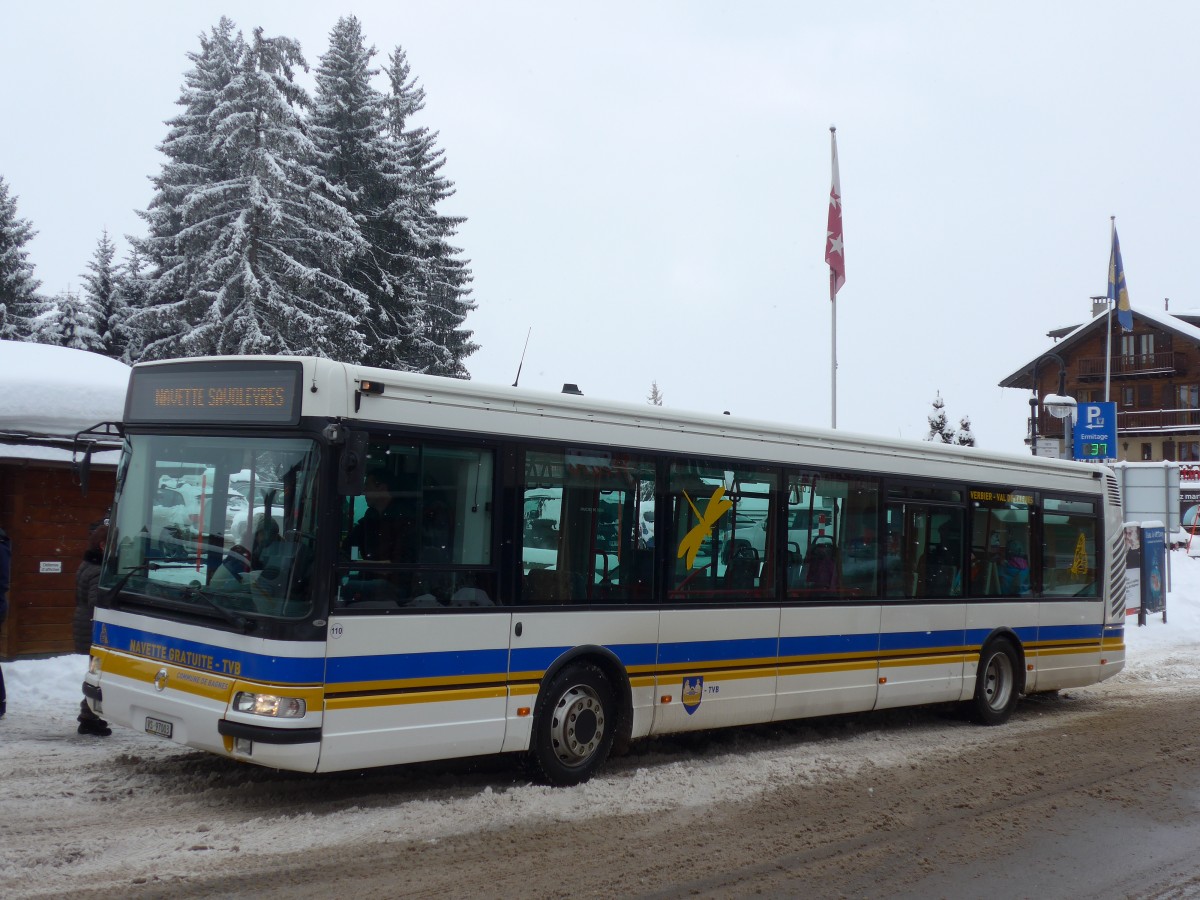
[821,567]
[385,533]
[1014,570]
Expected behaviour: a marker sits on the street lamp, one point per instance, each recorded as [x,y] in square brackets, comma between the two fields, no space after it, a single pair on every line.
[1058,405]
[1062,407]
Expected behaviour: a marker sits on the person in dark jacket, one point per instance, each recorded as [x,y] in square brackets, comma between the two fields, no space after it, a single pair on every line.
[5,572]
[87,584]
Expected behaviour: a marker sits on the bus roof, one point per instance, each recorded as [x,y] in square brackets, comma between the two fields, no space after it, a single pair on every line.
[333,389]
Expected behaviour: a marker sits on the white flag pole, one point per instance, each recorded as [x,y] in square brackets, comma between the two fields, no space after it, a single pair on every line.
[835,256]
[1110,304]
[833,352]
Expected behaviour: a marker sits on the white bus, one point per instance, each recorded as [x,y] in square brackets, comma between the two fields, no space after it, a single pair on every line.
[436,568]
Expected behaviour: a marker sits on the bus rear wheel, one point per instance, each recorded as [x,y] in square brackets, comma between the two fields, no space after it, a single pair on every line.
[996,689]
[573,726]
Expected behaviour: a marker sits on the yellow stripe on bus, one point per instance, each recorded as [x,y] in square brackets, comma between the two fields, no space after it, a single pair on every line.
[399,699]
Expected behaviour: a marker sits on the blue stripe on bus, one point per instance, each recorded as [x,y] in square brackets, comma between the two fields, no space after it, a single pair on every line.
[434,664]
[539,659]
[921,640]
[497,662]
[976,636]
[209,657]
[1070,633]
[829,644]
[718,651]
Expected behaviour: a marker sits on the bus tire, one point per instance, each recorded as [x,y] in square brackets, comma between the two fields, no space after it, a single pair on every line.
[996,684]
[573,726]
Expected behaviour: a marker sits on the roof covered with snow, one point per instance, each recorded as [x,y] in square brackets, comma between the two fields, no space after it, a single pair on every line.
[57,391]
[1170,322]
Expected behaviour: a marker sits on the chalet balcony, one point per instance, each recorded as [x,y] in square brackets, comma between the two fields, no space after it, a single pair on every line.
[1143,421]
[1140,421]
[1166,362]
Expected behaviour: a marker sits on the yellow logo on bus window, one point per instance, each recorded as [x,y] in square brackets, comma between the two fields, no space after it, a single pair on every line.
[1079,566]
[717,507]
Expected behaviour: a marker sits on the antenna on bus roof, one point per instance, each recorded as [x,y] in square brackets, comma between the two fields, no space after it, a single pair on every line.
[522,362]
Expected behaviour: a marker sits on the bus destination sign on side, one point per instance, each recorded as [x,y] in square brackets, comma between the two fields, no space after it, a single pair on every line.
[200,394]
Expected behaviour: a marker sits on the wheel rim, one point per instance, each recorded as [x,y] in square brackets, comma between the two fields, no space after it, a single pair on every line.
[577,726]
[998,681]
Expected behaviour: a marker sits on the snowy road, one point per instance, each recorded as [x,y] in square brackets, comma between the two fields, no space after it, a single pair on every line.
[1092,793]
[915,802]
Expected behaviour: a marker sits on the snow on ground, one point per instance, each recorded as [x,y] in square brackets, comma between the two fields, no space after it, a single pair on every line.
[231,806]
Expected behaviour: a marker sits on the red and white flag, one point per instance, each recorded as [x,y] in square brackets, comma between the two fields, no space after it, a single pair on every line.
[835,256]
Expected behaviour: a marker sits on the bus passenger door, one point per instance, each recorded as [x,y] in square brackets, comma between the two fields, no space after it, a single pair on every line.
[409,688]
[922,638]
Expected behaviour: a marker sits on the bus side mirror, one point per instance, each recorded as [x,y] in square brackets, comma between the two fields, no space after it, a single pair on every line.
[353,469]
[85,469]
[86,442]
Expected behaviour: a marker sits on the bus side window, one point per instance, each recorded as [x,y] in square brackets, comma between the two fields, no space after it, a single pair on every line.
[584,534]
[421,532]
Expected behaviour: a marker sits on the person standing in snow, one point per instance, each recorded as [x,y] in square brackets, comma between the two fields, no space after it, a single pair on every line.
[5,570]
[87,584]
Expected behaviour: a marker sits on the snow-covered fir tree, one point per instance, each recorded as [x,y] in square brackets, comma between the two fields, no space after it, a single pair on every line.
[19,300]
[349,126]
[101,294]
[271,233]
[965,436]
[263,236]
[132,288]
[172,247]
[436,277]
[655,397]
[939,427]
[68,321]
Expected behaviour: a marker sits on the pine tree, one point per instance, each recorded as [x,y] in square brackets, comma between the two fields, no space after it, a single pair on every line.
[173,244]
[103,297]
[655,397]
[19,300]
[69,322]
[261,238]
[349,126]
[132,288]
[437,278]
[965,437]
[939,429]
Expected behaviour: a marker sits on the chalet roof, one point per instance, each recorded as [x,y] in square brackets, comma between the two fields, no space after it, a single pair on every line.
[1186,324]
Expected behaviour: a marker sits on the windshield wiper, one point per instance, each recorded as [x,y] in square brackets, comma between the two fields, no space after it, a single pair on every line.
[133,570]
[237,621]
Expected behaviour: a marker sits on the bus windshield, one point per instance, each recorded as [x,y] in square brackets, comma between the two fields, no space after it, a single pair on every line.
[220,526]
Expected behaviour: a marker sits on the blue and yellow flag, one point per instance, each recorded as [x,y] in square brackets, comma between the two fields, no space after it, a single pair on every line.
[1116,284]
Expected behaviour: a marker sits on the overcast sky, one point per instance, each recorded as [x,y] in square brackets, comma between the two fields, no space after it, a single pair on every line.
[646,183]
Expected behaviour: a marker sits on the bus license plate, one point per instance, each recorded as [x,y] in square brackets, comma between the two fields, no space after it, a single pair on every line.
[159,727]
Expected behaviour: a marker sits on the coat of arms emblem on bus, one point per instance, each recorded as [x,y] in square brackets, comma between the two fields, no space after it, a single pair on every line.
[693,693]
[717,506]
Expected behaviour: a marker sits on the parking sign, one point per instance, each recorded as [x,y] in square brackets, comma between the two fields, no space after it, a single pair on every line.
[1096,432]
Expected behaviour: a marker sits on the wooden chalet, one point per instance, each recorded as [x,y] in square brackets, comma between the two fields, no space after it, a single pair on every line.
[1153,376]
[47,395]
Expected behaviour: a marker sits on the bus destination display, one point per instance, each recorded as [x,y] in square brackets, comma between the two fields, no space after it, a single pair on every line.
[183,393]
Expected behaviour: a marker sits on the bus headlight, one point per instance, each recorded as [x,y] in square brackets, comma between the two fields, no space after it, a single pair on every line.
[269,705]
[94,665]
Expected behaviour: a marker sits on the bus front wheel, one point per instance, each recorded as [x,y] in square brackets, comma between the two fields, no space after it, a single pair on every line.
[996,688]
[573,726]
